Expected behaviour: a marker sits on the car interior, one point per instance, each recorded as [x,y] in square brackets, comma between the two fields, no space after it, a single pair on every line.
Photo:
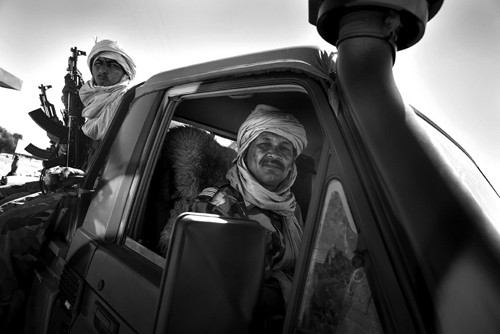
[220,117]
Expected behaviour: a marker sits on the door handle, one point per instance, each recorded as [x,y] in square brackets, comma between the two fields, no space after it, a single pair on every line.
[104,321]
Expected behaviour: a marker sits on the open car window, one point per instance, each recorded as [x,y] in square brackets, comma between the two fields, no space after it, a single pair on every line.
[219,116]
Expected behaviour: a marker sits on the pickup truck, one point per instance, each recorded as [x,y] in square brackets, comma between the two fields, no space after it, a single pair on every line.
[401,227]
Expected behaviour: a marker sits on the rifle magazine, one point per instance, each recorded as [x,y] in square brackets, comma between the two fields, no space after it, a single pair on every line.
[49,125]
[44,154]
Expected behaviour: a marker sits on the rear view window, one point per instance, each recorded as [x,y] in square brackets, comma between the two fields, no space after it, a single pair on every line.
[337,297]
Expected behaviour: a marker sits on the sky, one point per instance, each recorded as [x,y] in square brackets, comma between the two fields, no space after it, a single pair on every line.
[452,75]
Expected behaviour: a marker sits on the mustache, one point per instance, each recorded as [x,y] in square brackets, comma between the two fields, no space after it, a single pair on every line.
[272,161]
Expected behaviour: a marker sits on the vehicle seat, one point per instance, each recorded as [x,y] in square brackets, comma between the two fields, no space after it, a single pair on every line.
[302,188]
[190,161]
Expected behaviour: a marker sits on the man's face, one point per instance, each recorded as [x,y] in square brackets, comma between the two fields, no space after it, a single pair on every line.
[106,72]
[270,159]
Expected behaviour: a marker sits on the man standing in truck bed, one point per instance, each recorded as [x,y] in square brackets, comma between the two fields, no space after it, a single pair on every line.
[112,70]
[23,222]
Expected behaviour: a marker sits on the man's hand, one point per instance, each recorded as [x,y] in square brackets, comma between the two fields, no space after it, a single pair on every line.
[69,85]
[69,88]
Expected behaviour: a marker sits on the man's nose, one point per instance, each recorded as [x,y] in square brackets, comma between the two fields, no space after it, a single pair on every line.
[274,152]
[103,68]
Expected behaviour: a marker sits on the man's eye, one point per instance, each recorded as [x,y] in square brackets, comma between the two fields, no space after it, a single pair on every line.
[263,145]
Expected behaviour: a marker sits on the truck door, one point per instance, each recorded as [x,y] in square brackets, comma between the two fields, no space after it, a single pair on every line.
[122,281]
[107,286]
[117,254]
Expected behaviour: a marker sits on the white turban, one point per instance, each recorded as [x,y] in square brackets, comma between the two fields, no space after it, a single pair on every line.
[266,118]
[112,50]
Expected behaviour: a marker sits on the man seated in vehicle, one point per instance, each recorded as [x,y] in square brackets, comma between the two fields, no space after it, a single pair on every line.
[263,172]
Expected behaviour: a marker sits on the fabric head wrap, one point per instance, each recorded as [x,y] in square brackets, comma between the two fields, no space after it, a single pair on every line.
[100,102]
[113,50]
[266,118]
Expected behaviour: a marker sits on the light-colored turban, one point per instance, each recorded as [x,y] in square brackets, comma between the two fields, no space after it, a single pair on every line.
[267,118]
[113,50]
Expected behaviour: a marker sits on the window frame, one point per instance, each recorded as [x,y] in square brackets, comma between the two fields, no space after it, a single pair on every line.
[166,114]
[334,185]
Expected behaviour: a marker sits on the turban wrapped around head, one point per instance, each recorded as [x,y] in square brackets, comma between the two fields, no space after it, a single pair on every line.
[266,118]
[113,50]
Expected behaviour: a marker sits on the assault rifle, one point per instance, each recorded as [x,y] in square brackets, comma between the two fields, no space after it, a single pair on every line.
[75,152]
[46,116]
[47,119]
[71,140]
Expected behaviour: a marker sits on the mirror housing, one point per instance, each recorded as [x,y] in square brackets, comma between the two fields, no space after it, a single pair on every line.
[214,273]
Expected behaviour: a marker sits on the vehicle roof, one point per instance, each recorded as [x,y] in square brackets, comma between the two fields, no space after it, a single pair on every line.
[305,59]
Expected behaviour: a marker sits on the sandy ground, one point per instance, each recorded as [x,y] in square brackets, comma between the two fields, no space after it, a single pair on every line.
[28,169]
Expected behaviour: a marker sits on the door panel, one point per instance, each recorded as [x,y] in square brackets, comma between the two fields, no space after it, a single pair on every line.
[120,285]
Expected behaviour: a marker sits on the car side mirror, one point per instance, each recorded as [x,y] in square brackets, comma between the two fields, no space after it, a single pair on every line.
[213,276]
